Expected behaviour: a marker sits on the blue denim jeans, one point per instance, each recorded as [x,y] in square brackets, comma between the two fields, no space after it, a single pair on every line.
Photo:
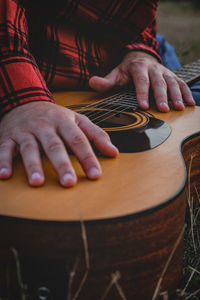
[171,61]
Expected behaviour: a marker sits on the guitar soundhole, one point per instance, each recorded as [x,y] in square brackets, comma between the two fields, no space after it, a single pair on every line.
[141,138]
[131,131]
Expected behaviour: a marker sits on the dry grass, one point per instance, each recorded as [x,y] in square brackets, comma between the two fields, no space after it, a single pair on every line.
[179,22]
[190,285]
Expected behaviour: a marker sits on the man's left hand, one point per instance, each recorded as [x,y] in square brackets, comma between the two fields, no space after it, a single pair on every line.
[145,71]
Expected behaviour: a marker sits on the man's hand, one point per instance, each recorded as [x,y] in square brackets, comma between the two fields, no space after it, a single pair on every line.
[145,71]
[53,127]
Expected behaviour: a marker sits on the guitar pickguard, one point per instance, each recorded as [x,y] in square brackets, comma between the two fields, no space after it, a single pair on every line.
[130,131]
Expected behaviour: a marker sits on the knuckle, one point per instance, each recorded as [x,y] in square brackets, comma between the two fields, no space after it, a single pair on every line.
[139,63]
[155,67]
[101,134]
[63,166]
[39,125]
[136,66]
[84,117]
[182,83]
[77,140]
[54,146]
[26,146]
[32,166]
[81,119]
[141,95]
[143,80]
[170,77]
[160,83]
[88,157]
[3,147]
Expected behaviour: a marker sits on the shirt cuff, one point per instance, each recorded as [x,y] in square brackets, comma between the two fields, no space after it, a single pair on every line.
[21,82]
[144,48]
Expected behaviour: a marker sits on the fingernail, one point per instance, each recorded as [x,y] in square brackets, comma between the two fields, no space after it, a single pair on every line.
[36,176]
[180,102]
[192,102]
[3,171]
[112,146]
[164,105]
[93,173]
[144,103]
[68,179]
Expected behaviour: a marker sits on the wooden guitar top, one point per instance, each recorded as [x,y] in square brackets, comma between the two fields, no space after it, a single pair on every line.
[130,184]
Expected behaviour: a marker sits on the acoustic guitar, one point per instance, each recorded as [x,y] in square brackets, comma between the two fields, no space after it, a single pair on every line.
[116,233]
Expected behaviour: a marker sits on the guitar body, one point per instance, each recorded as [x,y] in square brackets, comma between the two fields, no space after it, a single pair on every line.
[133,214]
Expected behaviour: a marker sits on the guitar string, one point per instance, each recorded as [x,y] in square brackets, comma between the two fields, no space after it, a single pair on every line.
[105,100]
[106,117]
[110,104]
[107,104]
[182,71]
[97,114]
[187,74]
[115,97]
[97,118]
[111,116]
[189,67]
[146,113]
[99,101]
[108,113]
[121,96]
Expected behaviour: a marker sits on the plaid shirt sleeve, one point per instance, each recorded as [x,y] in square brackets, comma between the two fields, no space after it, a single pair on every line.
[87,38]
[145,29]
[146,42]
[20,78]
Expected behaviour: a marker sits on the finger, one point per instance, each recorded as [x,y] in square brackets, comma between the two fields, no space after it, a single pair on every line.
[97,136]
[29,150]
[159,87]
[104,84]
[79,144]
[174,91]
[57,154]
[186,92]
[141,81]
[6,156]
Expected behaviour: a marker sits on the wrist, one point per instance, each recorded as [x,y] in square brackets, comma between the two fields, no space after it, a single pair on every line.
[140,55]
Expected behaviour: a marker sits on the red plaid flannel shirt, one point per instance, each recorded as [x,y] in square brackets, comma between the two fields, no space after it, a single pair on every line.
[86,37]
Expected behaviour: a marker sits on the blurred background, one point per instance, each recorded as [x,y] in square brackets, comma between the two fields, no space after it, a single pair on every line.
[179,23]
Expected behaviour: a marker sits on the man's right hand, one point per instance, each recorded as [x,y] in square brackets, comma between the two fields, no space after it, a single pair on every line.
[52,126]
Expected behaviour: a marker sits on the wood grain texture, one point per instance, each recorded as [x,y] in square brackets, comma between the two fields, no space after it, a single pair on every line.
[191,153]
[136,247]
[133,214]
